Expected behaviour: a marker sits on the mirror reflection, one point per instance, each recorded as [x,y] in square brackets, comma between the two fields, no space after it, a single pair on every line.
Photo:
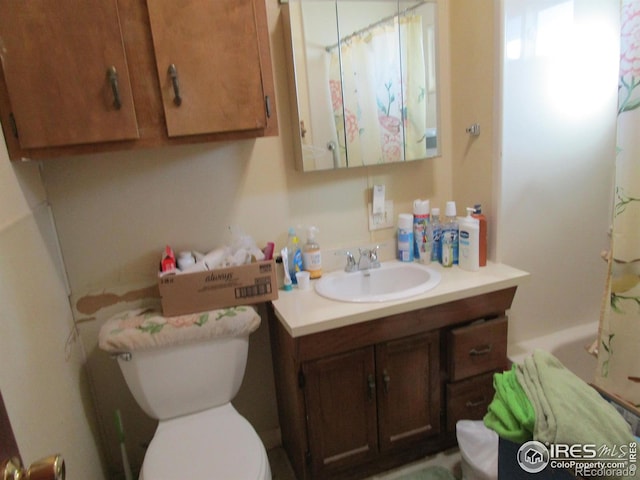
[365,81]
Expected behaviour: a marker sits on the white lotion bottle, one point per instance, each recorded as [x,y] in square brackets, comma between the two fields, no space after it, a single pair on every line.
[469,242]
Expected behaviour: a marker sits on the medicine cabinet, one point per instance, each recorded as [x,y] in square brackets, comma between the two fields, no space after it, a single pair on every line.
[363,81]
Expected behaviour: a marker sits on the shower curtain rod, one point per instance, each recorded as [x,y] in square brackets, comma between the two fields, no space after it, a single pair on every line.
[369,27]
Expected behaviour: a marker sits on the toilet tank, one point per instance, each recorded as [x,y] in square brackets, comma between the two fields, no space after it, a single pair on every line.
[178,380]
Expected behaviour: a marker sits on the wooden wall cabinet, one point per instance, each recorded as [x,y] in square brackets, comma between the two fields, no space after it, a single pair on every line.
[91,75]
[364,398]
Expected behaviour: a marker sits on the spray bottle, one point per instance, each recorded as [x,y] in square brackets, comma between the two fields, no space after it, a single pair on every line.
[420,224]
[295,255]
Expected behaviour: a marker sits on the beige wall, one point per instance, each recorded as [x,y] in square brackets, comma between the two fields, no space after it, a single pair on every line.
[42,378]
[475,71]
[115,212]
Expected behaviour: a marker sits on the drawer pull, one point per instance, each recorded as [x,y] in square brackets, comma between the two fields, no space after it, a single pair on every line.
[476,403]
[482,350]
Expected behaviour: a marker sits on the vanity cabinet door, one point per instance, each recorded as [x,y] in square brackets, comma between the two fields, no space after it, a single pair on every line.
[340,402]
[408,390]
[65,73]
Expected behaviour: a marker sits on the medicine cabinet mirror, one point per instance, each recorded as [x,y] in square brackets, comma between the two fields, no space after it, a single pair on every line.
[363,81]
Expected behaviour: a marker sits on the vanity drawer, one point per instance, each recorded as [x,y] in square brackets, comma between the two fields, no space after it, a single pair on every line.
[469,399]
[477,348]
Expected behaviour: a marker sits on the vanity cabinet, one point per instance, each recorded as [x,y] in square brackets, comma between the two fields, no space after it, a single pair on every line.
[93,75]
[366,397]
[370,400]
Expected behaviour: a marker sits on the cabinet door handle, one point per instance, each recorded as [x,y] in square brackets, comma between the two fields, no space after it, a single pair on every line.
[267,104]
[112,75]
[371,383]
[481,350]
[173,73]
[475,403]
[386,379]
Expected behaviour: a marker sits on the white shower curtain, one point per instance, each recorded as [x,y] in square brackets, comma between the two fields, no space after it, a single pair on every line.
[378,91]
[619,335]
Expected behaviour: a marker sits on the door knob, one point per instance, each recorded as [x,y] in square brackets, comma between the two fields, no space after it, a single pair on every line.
[49,468]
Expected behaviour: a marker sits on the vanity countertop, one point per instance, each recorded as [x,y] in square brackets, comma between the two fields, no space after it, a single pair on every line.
[303,312]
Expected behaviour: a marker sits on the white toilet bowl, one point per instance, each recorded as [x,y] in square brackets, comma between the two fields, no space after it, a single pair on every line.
[215,444]
[184,371]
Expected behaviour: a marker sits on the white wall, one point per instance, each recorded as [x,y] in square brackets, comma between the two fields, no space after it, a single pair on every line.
[558,128]
[41,368]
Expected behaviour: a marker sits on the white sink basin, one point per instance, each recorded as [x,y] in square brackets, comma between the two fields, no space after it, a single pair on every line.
[392,281]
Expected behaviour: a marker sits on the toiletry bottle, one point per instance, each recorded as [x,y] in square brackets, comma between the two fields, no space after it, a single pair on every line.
[469,242]
[311,255]
[405,237]
[185,260]
[483,233]
[295,255]
[449,237]
[420,224]
[434,230]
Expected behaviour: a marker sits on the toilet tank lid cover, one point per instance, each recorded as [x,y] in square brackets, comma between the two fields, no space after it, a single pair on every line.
[147,328]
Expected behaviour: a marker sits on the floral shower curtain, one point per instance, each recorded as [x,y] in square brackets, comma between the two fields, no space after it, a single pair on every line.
[619,335]
[378,93]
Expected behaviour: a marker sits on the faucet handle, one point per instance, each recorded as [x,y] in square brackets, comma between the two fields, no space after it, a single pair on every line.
[373,255]
[351,262]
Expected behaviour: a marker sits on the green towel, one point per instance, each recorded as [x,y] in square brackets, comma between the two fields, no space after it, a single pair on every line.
[543,400]
[568,410]
[510,414]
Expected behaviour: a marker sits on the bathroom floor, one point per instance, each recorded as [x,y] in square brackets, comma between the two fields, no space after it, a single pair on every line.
[450,459]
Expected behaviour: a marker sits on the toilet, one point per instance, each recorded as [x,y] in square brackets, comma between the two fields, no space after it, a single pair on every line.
[184,371]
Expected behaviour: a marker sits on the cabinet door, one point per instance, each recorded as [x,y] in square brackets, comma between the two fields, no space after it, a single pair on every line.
[408,390]
[208,57]
[56,56]
[341,409]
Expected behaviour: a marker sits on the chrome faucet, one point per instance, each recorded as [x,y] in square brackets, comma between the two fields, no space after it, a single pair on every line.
[368,259]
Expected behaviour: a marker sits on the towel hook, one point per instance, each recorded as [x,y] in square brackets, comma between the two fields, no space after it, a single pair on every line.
[474,130]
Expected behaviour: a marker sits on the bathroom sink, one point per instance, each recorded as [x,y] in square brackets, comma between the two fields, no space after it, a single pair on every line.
[391,281]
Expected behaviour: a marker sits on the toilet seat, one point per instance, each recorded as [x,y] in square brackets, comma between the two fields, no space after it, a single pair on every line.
[216,444]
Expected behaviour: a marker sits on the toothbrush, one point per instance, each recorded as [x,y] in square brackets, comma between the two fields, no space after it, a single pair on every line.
[285,263]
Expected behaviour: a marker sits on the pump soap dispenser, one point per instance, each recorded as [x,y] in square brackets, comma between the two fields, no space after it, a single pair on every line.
[469,242]
[311,255]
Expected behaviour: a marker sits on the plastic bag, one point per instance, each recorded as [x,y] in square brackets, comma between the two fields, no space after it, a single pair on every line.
[478,449]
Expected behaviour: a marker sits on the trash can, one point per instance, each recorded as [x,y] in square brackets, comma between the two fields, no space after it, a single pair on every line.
[478,449]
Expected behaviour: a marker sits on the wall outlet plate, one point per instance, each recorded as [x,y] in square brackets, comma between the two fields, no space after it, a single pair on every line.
[381,220]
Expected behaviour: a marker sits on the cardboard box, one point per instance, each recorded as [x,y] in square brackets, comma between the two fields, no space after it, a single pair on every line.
[219,288]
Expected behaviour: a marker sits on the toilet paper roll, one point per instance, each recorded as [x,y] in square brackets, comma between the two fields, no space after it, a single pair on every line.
[196,267]
[214,258]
